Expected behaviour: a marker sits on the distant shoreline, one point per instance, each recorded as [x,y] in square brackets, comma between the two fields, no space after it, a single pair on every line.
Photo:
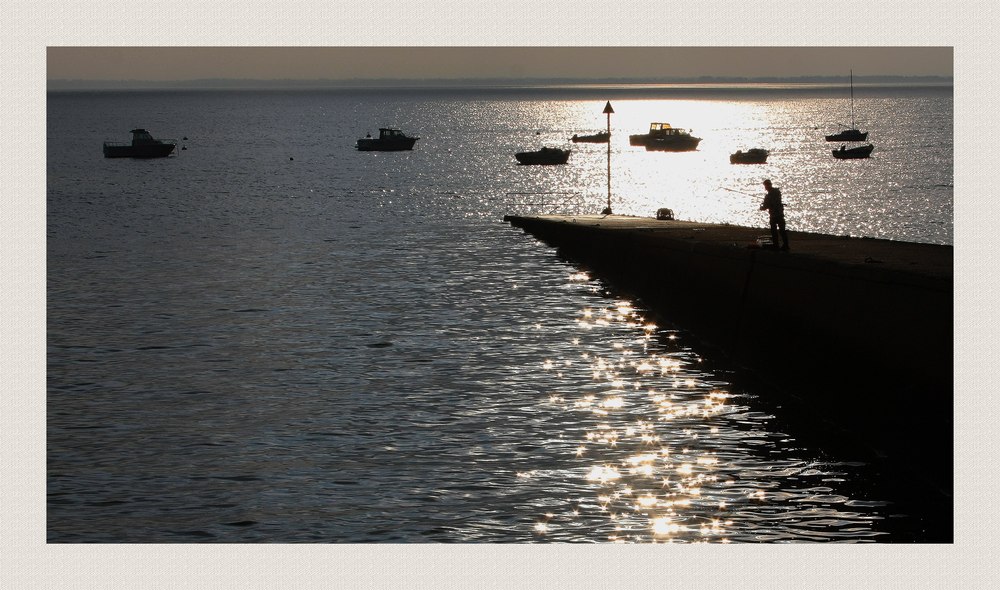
[700,83]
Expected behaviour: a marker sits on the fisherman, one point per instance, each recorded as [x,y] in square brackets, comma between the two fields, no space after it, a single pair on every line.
[772,203]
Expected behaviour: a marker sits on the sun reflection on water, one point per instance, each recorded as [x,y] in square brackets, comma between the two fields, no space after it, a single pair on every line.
[661,446]
[702,185]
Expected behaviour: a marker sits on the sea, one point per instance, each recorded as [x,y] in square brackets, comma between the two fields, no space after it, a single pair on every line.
[271,337]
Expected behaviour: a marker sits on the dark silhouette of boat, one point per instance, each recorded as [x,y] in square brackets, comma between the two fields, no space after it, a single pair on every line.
[143,145]
[681,142]
[851,134]
[546,155]
[848,135]
[388,140]
[602,137]
[751,156]
[664,137]
[854,153]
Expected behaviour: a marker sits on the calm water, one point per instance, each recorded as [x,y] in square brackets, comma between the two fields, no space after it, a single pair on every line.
[273,337]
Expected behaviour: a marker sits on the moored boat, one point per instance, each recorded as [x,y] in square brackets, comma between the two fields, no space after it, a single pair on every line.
[388,140]
[751,156]
[851,134]
[848,135]
[143,145]
[854,153]
[664,137]
[546,155]
[602,137]
[680,142]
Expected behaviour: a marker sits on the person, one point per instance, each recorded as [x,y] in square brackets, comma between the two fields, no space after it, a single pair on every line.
[772,203]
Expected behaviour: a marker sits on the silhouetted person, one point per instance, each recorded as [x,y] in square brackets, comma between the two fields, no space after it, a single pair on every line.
[772,203]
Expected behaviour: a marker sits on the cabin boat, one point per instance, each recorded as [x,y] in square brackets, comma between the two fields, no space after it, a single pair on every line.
[602,137]
[751,156]
[664,137]
[143,145]
[544,156]
[854,153]
[388,140]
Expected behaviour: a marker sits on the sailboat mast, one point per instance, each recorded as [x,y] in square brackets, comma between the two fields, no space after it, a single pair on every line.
[853,125]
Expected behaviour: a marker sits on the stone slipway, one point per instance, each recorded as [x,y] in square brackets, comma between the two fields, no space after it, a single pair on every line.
[857,331]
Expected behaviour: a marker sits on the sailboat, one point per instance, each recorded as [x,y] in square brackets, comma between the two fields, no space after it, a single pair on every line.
[851,134]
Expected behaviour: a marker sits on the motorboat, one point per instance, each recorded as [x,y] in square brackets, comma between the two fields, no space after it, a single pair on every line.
[678,142]
[602,137]
[846,153]
[664,137]
[751,156]
[143,145]
[388,140]
[546,155]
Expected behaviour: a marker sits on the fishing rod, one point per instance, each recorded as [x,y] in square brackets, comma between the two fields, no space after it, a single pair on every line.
[736,191]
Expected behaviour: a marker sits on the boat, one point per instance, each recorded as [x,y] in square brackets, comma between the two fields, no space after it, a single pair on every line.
[678,142]
[751,156]
[388,140]
[602,137]
[546,155]
[854,153]
[664,137]
[143,145]
[852,134]
[848,135]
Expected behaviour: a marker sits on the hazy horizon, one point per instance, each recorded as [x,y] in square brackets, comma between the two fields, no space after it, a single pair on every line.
[186,64]
[443,83]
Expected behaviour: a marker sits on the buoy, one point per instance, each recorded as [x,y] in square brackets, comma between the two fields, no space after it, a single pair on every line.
[185,139]
[291,158]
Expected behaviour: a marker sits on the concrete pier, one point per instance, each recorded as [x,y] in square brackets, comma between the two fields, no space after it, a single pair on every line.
[856,333]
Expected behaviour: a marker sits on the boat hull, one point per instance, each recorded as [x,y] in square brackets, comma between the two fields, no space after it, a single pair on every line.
[159,150]
[543,157]
[672,144]
[383,145]
[754,156]
[603,137]
[854,153]
[848,135]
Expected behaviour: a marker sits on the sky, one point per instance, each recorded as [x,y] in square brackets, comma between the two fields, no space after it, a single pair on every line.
[339,63]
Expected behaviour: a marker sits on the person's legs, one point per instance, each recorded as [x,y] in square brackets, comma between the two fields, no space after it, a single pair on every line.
[784,234]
